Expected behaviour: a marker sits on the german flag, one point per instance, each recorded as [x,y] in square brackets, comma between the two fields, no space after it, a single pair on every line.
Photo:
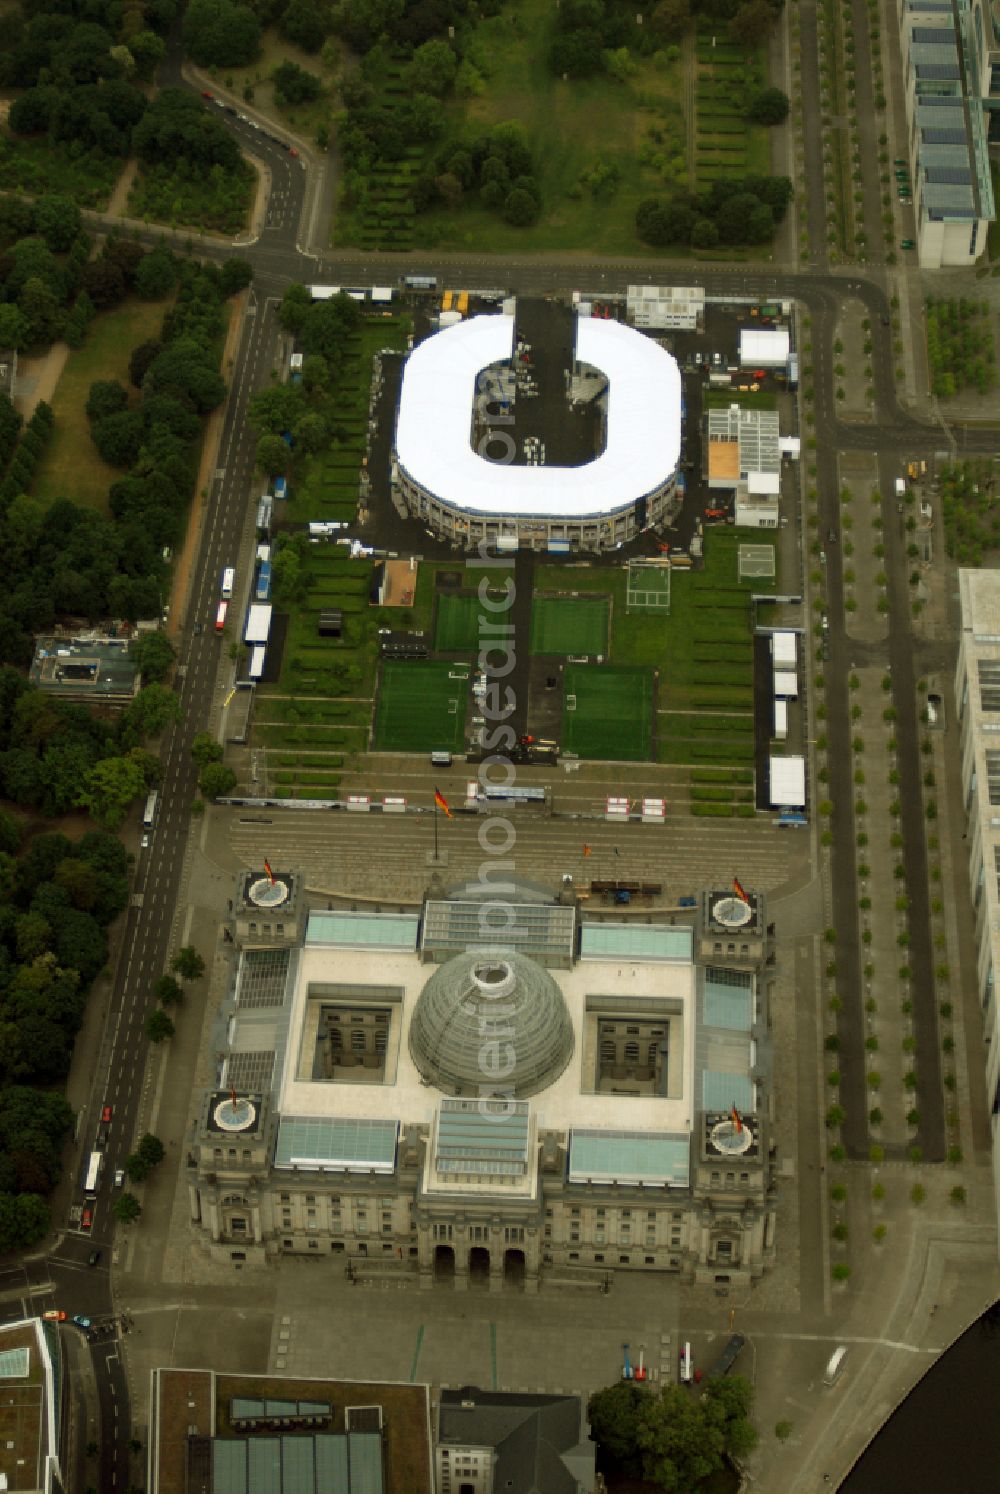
[737,1122]
[587,850]
[738,889]
[270,873]
[440,802]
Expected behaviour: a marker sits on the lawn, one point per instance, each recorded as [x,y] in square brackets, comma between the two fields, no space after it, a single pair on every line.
[217,204]
[457,627]
[702,649]
[70,466]
[634,127]
[960,346]
[38,166]
[420,707]
[569,625]
[608,712]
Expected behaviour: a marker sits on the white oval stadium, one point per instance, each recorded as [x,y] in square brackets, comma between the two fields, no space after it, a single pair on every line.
[462,496]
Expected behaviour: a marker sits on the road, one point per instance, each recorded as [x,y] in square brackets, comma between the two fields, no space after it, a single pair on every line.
[288,245]
[149,936]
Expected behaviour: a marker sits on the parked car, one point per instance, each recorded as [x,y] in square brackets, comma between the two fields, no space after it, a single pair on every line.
[106,1114]
[120,1177]
[81,1322]
[907,244]
[715,513]
[54,1315]
[93,1257]
[292,151]
[87,1218]
[206,95]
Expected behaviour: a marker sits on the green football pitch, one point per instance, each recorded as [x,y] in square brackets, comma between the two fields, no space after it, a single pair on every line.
[456,629]
[420,707]
[608,712]
[569,625]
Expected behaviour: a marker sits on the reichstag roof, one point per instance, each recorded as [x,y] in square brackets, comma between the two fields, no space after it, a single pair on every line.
[485,1023]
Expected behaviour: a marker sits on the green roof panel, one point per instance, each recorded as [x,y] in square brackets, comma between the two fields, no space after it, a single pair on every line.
[659,1158]
[364,930]
[622,941]
[339,1144]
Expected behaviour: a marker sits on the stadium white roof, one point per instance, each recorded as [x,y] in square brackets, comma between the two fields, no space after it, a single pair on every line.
[434,424]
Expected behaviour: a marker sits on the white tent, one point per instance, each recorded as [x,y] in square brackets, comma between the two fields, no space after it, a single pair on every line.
[788,782]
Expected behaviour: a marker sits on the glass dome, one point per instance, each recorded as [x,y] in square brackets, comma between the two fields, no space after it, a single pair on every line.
[485,1022]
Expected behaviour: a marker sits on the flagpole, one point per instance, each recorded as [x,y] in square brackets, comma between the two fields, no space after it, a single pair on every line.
[435,830]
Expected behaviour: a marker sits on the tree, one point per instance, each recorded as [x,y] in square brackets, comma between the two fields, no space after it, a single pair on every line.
[218,33]
[24,1220]
[769,106]
[235,275]
[106,397]
[58,221]
[670,19]
[188,963]
[104,282]
[311,433]
[141,358]
[615,1416]
[168,991]
[432,69]
[215,780]
[205,749]
[271,456]
[41,310]
[147,50]
[294,85]
[127,1208]
[156,275]
[151,1149]
[679,1449]
[109,788]
[119,437]
[14,328]
[751,25]
[153,654]
[315,373]
[727,1401]
[150,712]
[305,24]
[520,208]
[159,1027]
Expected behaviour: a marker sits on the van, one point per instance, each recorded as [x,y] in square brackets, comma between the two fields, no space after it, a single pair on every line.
[441,759]
[727,1358]
[836,1364]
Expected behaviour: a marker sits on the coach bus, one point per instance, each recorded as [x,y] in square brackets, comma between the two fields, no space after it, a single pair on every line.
[93,1176]
[220,616]
[149,813]
[228,580]
[497,794]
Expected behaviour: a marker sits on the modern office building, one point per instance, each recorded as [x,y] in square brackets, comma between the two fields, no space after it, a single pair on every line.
[948,48]
[33,1396]
[235,1433]
[977,692]
[463,465]
[403,1093]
